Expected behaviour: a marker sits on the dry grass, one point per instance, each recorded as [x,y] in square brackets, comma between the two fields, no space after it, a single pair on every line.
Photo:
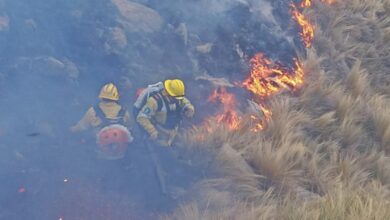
[325,151]
[341,203]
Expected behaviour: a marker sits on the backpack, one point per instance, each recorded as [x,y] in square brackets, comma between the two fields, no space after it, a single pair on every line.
[154,90]
[143,95]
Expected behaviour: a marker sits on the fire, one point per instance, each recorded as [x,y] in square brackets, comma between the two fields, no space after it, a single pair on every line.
[307,33]
[229,115]
[267,113]
[308,3]
[305,4]
[267,78]
[260,123]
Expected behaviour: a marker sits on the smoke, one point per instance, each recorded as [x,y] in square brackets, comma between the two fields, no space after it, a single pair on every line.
[55,56]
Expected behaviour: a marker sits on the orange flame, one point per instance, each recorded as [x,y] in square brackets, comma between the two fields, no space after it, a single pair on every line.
[308,3]
[307,33]
[305,4]
[267,113]
[267,78]
[229,115]
[260,123]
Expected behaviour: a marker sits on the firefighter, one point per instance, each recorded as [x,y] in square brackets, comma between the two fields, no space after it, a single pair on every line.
[160,108]
[111,122]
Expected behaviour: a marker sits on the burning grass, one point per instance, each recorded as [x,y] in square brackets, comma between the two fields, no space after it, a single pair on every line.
[324,152]
[307,32]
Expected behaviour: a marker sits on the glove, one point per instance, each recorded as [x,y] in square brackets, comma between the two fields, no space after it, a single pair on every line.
[188,112]
[154,135]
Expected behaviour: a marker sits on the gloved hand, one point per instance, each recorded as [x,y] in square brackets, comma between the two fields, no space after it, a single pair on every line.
[189,112]
[153,135]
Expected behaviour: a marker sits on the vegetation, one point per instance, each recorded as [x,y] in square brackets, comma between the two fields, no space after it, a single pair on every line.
[324,153]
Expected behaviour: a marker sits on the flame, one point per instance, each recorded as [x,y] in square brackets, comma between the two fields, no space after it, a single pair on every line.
[305,4]
[308,3]
[229,115]
[267,112]
[260,123]
[307,33]
[267,78]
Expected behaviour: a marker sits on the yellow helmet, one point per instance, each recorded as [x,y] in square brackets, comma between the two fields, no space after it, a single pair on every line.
[175,88]
[109,91]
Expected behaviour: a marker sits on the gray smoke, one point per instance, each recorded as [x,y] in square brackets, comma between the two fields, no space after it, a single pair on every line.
[54,57]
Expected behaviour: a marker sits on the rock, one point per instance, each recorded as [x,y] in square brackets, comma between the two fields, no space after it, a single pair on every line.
[263,10]
[183,32]
[221,6]
[51,62]
[49,66]
[138,18]
[118,36]
[216,82]
[4,23]
[30,23]
[205,48]
[71,69]
[240,52]
[116,40]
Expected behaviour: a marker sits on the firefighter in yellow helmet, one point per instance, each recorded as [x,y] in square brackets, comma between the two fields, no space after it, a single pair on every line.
[111,123]
[108,110]
[159,110]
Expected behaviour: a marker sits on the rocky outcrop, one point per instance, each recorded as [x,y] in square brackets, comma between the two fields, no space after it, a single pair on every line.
[116,40]
[49,66]
[138,18]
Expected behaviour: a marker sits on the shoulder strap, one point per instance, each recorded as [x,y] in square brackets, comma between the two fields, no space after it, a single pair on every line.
[121,114]
[105,121]
[159,98]
[99,112]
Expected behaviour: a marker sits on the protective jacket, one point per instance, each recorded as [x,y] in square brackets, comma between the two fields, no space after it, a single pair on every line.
[103,114]
[160,111]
